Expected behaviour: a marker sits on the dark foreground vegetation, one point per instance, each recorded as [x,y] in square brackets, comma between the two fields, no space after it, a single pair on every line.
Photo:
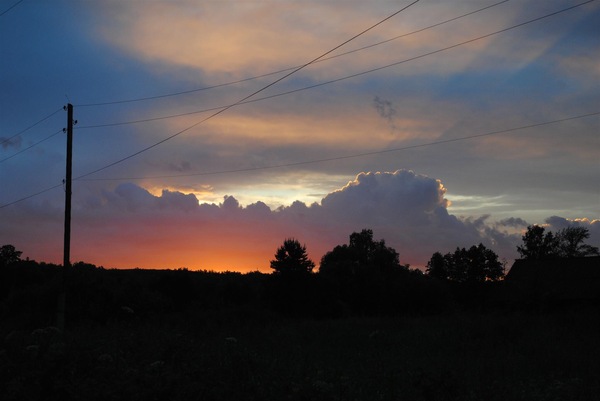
[183,335]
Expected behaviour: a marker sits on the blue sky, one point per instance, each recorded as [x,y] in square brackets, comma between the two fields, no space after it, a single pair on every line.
[298,149]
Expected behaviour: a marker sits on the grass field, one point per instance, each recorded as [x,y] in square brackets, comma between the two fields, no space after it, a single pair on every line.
[246,354]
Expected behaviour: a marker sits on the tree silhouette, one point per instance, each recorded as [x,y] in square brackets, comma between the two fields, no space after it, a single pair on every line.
[9,255]
[437,266]
[366,276]
[291,258]
[571,243]
[566,243]
[476,264]
[361,253]
[537,245]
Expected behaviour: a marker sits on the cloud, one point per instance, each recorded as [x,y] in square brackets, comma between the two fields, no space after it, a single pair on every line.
[499,83]
[129,226]
[123,50]
[215,36]
[227,38]
[556,223]
[385,108]
[184,166]
[513,222]
[14,142]
[400,195]
[410,211]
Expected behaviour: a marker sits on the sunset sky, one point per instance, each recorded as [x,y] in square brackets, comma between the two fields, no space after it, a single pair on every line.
[450,124]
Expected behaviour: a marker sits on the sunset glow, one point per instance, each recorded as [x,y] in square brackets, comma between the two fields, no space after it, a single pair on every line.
[436,129]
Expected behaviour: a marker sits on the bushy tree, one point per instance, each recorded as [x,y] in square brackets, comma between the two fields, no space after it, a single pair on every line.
[571,243]
[437,266]
[366,276]
[361,253]
[566,243]
[291,258]
[9,255]
[476,264]
[537,244]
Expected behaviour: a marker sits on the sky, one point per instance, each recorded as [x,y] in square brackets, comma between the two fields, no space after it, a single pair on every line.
[200,141]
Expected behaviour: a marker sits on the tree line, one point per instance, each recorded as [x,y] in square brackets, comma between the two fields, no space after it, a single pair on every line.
[566,243]
[363,253]
[476,264]
[363,277]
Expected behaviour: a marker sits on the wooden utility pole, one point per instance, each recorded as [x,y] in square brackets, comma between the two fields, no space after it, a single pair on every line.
[68,176]
[60,316]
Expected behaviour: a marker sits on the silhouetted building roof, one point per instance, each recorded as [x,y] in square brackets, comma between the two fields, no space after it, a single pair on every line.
[555,280]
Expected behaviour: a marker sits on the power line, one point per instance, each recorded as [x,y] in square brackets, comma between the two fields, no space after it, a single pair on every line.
[5,140]
[139,99]
[353,156]
[223,109]
[334,80]
[11,7]
[31,146]
[31,196]
[248,96]
[342,157]
[357,155]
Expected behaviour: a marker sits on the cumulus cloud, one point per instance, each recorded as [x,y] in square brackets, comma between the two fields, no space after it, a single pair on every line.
[429,99]
[556,223]
[129,226]
[133,50]
[410,211]
[400,196]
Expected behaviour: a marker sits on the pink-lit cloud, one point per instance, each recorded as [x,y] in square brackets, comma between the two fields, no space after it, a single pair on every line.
[130,227]
[276,157]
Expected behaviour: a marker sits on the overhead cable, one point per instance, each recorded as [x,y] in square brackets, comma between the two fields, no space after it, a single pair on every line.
[223,109]
[31,196]
[5,140]
[246,97]
[31,146]
[11,7]
[337,79]
[353,156]
[139,99]
[357,155]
